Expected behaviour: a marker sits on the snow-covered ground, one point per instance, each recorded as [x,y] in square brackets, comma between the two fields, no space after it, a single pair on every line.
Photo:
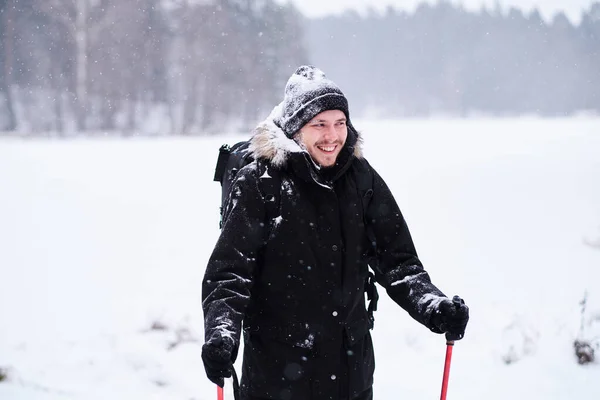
[103,245]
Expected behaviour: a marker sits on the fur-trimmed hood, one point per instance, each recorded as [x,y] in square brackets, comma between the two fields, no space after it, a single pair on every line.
[270,143]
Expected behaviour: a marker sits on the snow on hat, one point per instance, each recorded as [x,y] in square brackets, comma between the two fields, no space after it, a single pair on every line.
[307,93]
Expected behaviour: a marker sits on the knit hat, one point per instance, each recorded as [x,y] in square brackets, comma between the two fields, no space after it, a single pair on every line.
[307,93]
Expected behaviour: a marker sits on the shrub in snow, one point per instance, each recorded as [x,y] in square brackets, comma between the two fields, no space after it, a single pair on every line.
[510,356]
[3,374]
[521,338]
[158,326]
[160,382]
[584,346]
[176,336]
[182,335]
[584,351]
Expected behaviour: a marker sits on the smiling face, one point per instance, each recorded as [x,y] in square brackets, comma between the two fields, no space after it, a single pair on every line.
[324,136]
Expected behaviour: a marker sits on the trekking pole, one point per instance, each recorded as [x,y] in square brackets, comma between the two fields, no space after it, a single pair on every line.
[450,338]
[236,387]
[449,346]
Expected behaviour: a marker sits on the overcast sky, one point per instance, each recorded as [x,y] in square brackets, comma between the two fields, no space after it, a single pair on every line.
[547,8]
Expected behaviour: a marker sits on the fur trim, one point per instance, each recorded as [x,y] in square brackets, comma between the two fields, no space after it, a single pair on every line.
[358,153]
[270,143]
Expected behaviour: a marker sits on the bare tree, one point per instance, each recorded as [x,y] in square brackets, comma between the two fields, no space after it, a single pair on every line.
[83,20]
[188,62]
[6,57]
[108,63]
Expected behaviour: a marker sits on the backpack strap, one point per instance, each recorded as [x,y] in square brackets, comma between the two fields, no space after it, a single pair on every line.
[372,296]
[270,186]
[364,184]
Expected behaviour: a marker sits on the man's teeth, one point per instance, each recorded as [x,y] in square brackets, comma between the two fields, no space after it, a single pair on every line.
[328,148]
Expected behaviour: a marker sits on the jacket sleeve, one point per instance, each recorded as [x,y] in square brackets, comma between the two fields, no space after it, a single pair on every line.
[397,266]
[230,271]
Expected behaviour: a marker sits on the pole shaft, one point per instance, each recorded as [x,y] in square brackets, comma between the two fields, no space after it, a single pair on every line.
[449,347]
[220,393]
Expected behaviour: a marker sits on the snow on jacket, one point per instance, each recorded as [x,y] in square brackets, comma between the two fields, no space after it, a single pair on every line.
[296,283]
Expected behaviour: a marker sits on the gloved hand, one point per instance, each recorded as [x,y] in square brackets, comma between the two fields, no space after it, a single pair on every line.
[217,358]
[451,317]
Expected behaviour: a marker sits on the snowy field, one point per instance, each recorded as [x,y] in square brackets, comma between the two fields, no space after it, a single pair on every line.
[103,244]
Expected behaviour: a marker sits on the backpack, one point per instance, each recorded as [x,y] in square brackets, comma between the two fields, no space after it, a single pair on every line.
[233,158]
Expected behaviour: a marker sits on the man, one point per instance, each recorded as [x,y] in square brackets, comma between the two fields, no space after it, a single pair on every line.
[297,280]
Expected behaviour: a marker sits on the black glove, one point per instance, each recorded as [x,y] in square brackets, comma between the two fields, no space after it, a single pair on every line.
[451,317]
[217,358]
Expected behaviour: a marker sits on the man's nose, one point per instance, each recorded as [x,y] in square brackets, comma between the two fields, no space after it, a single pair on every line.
[330,133]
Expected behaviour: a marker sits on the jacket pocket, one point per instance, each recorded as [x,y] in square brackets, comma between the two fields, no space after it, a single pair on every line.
[275,366]
[361,358]
[361,365]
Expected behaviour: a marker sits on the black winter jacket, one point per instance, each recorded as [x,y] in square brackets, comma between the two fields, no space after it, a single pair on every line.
[296,283]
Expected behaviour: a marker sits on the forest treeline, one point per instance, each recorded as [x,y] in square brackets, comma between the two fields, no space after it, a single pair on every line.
[169,67]
[164,67]
[443,59]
